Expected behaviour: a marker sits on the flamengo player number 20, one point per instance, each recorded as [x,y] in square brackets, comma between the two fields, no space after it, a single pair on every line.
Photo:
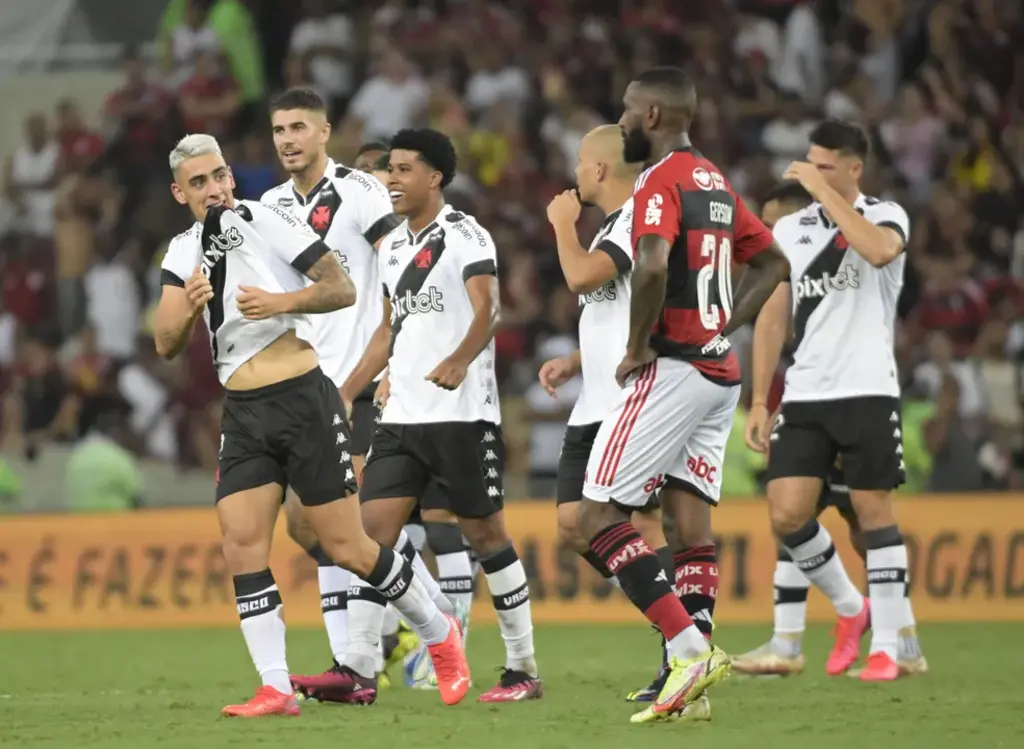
[719,250]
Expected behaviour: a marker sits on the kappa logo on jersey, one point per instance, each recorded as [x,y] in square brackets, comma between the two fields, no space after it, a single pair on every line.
[805,240]
[431,300]
[652,215]
[393,261]
[816,288]
[606,293]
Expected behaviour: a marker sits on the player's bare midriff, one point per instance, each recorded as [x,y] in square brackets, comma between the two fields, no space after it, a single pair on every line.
[287,357]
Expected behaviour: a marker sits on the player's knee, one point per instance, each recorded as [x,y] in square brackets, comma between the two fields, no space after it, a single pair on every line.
[486,535]
[786,519]
[245,552]
[443,538]
[380,525]
[568,528]
[298,528]
[352,551]
[596,516]
[649,525]
[874,509]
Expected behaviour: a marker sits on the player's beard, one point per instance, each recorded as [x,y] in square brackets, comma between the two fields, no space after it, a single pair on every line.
[636,147]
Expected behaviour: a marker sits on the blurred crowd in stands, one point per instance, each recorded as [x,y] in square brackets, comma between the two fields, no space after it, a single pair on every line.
[938,83]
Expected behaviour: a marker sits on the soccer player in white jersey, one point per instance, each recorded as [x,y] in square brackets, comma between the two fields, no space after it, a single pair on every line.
[456,568]
[600,276]
[442,418]
[783,655]
[243,268]
[841,396]
[350,211]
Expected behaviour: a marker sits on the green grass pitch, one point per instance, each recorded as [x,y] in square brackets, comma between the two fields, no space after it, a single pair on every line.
[136,690]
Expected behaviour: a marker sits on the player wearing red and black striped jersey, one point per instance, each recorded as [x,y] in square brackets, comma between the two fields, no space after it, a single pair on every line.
[679,375]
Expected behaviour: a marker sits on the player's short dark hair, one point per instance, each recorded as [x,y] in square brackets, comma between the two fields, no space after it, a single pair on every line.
[846,137]
[383,162]
[373,145]
[789,191]
[666,76]
[298,98]
[435,149]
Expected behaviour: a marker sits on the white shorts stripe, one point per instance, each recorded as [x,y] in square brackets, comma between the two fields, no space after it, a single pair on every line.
[624,424]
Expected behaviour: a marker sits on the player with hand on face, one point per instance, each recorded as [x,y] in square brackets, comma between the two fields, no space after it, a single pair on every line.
[783,656]
[842,397]
[247,266]
[600,276]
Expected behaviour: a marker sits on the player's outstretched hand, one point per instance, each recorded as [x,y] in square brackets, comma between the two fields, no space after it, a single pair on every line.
[449,374]
[198,290]
[556,372]
[759,425]
[808,175]
[564,208]
[257,304]
[631,363]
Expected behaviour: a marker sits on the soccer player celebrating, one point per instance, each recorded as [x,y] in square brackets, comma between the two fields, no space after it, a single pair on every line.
[841,397]
[680,377]
[243,267]
[782,655]
[437,528]
[350,210]
[441,421]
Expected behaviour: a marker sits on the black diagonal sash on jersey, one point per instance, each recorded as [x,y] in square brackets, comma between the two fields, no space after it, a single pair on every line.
[215,262]
[413,277]
[828,261]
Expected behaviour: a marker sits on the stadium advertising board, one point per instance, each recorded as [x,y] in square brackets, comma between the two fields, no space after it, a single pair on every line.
[164,568]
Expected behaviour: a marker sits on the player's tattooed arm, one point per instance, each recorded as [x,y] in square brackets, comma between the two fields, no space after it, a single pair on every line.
[374,359]
[765,270]
[650,274]
[332,288]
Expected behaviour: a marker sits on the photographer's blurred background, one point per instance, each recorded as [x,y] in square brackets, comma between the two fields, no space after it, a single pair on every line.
[95,93]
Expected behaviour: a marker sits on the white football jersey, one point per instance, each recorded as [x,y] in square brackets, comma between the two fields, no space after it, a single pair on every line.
[350,211]
[251,245]
[424,276]
[844,308]
[604,322]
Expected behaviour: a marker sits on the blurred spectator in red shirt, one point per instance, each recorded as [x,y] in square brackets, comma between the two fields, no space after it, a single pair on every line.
[135,112]
[951,302]
[23,281]
[79,147]
[209,99]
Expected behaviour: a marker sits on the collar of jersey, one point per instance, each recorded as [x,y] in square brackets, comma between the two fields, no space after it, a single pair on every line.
[859,204]
[331,168]
[429,227]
